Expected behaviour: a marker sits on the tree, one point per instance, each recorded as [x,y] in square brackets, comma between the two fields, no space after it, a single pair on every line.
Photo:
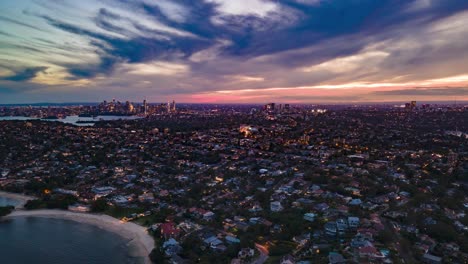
[443,232]
[315,178]
[157,256]
[385,236]
[281,248]
[33,204]
[6,210]
[60,201]
[100,205]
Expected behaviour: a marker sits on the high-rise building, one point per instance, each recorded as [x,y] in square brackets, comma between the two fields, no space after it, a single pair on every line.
[129,107]
[410,106]
[145,107]
[270,107]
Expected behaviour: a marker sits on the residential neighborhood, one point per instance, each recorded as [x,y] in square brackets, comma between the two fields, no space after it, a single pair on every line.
[249,184]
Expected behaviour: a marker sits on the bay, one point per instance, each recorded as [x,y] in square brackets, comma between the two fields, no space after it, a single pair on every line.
[57,241]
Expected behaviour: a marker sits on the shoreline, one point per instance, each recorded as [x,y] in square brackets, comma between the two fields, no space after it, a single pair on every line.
[139,242]
[21,198]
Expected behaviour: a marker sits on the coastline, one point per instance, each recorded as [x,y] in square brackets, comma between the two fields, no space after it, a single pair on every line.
[140,243]
[21,198]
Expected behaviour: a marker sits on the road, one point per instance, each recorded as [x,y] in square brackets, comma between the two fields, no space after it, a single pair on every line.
[405,253]
[263,254]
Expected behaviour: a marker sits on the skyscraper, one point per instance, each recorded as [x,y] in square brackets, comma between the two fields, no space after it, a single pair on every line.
[270,107]
[129,107]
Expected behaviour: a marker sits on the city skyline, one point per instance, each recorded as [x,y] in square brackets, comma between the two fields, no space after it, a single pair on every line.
[244,51]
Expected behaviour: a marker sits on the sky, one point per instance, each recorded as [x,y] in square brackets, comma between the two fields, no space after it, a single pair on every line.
[233,51]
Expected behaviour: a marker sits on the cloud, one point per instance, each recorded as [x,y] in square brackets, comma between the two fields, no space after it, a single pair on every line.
[106,66]
[183,47]
[309,2]
[350,63]
[25,75]
[5,34]
[171,10]
[155,68]
[16,22]
[259,8]
[451,91]
[133,49]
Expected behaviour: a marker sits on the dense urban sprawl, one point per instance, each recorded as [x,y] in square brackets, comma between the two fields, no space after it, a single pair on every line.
[247,184]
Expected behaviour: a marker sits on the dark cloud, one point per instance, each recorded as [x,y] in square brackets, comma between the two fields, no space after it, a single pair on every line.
[298,24]
[133,50]
[102,21]
[6,34]
[197,22]
[25,75]
[106,66]
[451,91]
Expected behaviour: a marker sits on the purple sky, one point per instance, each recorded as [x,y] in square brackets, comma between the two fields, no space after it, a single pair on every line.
[299,51]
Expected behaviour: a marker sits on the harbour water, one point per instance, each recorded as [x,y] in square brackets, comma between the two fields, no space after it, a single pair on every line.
[73,119]
[7,202]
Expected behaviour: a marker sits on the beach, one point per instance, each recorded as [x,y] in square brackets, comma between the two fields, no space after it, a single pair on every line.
[140,242]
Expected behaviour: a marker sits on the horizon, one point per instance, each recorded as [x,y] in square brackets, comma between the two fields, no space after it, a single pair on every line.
[221,51]
[383,103]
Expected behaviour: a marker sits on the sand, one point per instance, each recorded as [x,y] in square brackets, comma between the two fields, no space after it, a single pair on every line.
[140,242]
